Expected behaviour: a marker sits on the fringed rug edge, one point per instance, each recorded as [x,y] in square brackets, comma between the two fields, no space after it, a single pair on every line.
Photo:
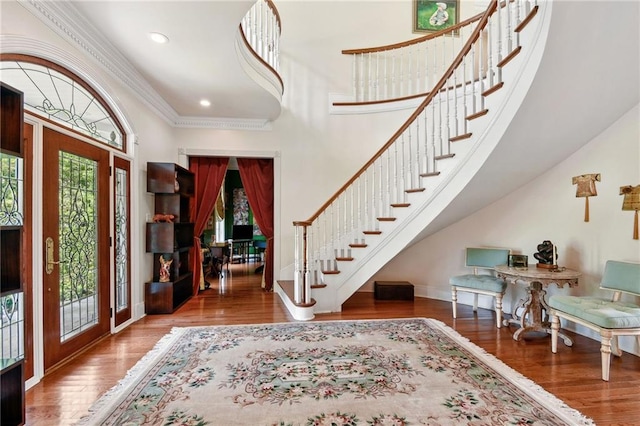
[552,402]
[114,396]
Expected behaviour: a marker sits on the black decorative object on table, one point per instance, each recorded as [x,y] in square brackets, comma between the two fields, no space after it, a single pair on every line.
[547,255]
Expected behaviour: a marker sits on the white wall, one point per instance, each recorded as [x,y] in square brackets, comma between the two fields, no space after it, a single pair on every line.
[544,209]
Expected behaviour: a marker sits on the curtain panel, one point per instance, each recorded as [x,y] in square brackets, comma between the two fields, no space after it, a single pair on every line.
[209,175]
[257,179]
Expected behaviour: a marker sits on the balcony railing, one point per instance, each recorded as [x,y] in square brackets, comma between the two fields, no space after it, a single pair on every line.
[261,27]
[411,68]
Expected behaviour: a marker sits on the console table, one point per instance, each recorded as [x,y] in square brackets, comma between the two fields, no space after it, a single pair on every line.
[528,314]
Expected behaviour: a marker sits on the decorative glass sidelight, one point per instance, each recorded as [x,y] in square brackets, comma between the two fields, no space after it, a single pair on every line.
[11,214]
[62,98]
[78,197]
[12,327]
[122,243]
[11,190]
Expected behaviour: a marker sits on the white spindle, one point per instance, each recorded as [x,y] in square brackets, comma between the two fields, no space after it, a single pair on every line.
[425,166]
[378,82]
[381,188]
[490,50]
[354,77]
[509,28]
[345,212]
[417,156]
[401,74]
[393,74]
[481,70]
[433,133]
[369,84]
[474,75]
[362,67]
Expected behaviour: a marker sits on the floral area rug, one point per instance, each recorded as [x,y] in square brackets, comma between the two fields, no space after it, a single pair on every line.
[382,372]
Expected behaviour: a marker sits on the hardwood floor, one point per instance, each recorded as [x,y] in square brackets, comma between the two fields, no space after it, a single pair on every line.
[573,375]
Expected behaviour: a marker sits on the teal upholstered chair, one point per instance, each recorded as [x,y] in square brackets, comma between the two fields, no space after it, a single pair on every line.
[609,317]
[481,259]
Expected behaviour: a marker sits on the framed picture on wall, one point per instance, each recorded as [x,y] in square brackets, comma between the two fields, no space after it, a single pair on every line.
[431,16]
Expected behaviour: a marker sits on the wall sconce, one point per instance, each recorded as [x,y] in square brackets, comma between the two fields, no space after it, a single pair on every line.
[586,188]
[631,201]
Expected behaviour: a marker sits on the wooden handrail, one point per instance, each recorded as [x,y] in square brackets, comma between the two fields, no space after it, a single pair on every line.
[404,98]
[406,43]
[437,87]
[381,101]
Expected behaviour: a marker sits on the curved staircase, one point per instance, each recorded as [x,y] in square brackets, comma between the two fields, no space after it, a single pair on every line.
[423,166]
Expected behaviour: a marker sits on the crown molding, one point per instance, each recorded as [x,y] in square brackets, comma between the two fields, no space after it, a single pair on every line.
[66,21]
[224,123]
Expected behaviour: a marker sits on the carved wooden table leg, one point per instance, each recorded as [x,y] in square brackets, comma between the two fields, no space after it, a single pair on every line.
[516,318]
[535,317]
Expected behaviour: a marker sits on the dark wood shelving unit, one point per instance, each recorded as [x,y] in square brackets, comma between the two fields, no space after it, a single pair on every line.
[12,106]
[173,187]
[12,407]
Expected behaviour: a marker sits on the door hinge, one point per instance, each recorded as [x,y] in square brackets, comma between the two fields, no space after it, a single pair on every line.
[110,242]
[110,312]
[110,171]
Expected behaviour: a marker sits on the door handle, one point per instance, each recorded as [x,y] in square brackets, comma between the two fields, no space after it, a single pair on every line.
[49,255]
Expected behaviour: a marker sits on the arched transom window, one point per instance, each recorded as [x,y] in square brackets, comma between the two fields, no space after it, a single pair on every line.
[56,94]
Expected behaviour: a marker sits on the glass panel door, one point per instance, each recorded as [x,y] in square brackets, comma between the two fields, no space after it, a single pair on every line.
[76,239]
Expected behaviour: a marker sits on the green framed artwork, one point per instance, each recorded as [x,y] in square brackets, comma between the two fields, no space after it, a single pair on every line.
[430,16]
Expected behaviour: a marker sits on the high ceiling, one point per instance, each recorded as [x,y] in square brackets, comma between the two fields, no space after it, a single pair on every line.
[198,62]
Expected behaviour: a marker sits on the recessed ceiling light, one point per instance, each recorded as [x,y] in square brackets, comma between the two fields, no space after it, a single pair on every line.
[205,103]
[159,38]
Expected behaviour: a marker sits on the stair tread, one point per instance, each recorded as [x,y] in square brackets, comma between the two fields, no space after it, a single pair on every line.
[510,56]
[477,114]
[445,156]
[493,89]
[460,137]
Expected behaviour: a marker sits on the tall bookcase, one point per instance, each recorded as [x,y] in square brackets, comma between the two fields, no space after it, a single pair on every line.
[11,261]
[172,240]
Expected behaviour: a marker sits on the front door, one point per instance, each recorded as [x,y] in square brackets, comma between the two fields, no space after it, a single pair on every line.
[76,245]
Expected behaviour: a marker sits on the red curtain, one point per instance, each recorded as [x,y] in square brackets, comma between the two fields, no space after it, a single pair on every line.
[209,175]
[257,179]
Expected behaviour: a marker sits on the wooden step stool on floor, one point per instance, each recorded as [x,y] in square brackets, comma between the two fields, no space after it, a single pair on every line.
[392,290]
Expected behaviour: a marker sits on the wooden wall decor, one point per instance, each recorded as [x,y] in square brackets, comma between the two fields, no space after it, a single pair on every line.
[586,188]
[631,201]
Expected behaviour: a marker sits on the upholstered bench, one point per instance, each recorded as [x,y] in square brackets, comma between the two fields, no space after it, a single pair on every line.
[609,317]
[488,284]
